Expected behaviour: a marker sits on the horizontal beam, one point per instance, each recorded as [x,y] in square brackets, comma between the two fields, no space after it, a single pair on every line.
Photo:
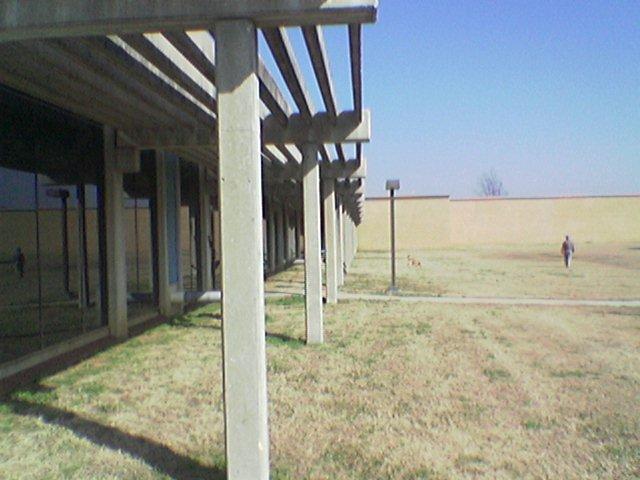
[319,130]
[167,138]
[298,131]
[20,19]
[350,169]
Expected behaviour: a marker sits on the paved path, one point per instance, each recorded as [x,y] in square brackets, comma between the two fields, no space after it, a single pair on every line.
[490,300]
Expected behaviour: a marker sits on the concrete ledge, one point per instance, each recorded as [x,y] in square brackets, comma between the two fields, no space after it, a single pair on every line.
[36,358]
[143,319]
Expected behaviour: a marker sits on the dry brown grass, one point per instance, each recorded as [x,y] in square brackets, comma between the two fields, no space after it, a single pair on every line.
[399,391]
[599,272]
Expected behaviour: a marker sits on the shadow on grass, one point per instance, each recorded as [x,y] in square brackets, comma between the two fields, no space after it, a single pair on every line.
[154,454]
[279,338]
[273,338]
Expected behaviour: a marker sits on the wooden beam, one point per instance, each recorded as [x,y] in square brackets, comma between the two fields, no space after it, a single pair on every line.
[20,19]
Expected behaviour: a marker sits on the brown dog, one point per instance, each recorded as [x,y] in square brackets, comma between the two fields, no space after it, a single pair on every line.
[413,262]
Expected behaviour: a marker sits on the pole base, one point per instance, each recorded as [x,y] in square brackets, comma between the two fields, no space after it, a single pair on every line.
[392,290]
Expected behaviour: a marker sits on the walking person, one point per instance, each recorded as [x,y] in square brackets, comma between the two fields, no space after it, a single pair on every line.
[567,251]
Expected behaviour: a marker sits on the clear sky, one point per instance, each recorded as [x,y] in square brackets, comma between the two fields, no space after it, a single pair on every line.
[545,92]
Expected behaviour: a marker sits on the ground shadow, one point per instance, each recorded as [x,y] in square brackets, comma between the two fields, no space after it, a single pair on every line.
[186,323]
[154,454]
[291,341]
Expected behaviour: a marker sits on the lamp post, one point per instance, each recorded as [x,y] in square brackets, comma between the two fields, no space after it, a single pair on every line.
[392,186]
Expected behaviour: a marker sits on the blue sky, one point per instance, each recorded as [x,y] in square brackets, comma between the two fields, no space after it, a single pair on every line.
[546,93]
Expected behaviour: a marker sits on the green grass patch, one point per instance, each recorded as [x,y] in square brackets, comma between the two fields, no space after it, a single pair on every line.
[35,396]
[287,301]
[278,340]
[494,374]
[532,425]
[570,374]
[423,329]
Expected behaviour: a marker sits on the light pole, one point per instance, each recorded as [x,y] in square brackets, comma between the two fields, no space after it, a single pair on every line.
[392,186]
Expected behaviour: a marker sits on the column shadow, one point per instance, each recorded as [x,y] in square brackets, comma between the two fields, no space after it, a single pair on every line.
[183,322]
[154,454]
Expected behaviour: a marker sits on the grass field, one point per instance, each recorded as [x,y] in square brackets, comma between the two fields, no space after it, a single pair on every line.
[399,391]
[599,272]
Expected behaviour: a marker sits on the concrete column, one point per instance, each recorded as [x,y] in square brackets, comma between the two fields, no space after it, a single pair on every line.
[205,279]
[312,257]
[328,191]
[243,332]
[115,233]
[298,234]
[347,241]
[271,240]
[164,288]
[83,280]
[280,252]
[350,240]
[339,241]
[178,238]
[286,234]
[217,278]
[355,239]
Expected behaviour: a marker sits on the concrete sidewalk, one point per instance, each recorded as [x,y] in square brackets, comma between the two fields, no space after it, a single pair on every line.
[490,300]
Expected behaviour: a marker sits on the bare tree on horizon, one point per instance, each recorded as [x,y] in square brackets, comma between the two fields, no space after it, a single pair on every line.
[491,185]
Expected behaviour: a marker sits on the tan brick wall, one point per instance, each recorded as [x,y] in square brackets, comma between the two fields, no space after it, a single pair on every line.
[420,223]
[433,222]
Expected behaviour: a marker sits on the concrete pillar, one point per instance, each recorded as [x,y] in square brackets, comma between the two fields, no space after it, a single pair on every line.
[286,234]
[164,287]
[271,240]
[328,191]
[115,233]
[350,240]
[178,237]
[354,238]
[83,268]
[347,241]
[243,332]
[217,258]
[204,235]
[298,234]
[292,236]
[339,241]
[280,252]
[312,257]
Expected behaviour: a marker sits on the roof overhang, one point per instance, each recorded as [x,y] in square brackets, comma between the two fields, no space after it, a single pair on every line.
[21,20]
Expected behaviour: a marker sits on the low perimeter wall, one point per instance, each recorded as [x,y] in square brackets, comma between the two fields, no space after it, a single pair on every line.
[428,222]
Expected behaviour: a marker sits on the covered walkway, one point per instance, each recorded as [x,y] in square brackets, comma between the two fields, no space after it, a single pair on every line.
[207,179]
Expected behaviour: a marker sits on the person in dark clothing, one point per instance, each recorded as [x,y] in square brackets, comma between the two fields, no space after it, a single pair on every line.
[20,261]
[568,248]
